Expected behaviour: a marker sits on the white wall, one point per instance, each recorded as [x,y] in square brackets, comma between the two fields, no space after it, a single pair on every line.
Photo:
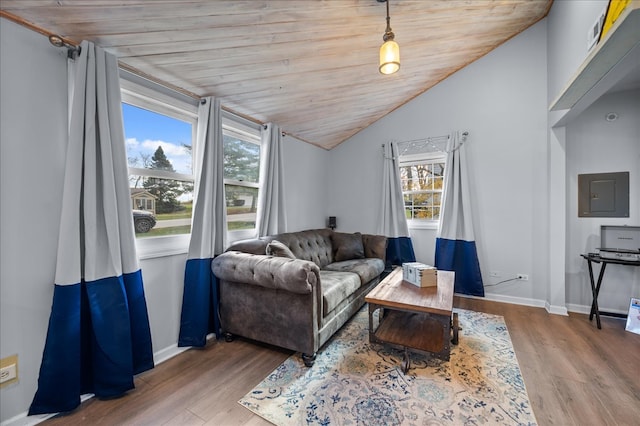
[501,100]
[306,168]
[567,26]
[33,133]
[595,145]
[568,23]
[33,130]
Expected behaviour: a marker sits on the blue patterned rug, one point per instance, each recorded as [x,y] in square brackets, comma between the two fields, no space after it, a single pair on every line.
[357,383]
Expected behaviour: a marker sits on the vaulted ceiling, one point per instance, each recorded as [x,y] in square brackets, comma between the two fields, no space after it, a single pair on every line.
[310,66]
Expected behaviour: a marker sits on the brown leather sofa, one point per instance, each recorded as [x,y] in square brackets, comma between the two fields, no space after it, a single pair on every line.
[295,290]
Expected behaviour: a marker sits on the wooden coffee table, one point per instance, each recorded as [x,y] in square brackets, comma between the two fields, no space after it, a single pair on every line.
[414,318]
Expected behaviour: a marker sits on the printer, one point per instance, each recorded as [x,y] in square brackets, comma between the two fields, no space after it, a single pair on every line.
[620,242]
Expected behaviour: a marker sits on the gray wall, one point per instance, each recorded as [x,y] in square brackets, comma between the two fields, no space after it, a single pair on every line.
[306,168]
[33,128]
[568,23]
[501,100]
[595,145]
[587,144]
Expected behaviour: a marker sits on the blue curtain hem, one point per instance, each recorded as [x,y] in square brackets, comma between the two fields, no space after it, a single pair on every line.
[461,257]
[97,339]
[399,251]
[199,315]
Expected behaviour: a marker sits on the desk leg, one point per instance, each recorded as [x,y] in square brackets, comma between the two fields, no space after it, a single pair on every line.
[595,300]
[595,290]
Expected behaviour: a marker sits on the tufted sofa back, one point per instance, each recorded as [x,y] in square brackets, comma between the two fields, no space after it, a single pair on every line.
[314,245]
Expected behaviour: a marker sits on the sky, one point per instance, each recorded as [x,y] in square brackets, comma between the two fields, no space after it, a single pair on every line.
[144,131]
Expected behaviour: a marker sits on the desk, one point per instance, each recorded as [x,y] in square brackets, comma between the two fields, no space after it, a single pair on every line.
[595,287]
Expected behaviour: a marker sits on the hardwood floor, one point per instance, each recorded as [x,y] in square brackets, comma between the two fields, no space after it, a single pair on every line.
[575,374]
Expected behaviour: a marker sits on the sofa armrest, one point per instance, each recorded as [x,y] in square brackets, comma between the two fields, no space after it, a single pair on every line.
[294,275]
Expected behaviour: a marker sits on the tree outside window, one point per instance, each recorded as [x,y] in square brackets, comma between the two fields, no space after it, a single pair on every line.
[241,178]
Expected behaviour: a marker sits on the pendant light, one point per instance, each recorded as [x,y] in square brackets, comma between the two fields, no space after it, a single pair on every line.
[389,51]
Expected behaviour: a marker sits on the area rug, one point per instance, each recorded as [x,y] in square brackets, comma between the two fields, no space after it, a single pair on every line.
[354,382]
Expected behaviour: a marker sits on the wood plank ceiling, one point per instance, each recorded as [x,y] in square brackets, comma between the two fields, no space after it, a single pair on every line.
[310,66]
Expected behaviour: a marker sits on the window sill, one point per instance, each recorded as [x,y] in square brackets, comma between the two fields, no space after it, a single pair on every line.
[422,224]
[171,245]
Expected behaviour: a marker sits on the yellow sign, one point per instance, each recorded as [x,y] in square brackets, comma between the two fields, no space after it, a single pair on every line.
[613,12]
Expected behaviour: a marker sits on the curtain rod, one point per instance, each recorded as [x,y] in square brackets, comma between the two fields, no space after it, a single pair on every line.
[429,139]
[74,47]
[432,138]
[182,91]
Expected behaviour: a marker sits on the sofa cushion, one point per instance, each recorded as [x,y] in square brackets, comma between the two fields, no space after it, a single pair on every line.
[253,246]
[367,269]
[337,286]
[276,248]
[375,246]
[347,246]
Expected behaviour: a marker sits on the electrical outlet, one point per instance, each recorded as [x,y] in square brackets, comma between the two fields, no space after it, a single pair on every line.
[522,277]
[8,370]
[7,373]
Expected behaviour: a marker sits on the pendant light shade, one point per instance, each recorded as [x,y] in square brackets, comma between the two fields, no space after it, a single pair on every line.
[389,51]
[389,57]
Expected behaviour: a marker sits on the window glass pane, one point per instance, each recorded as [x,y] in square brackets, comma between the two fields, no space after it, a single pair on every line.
[163,200]
[168,201]
[241,159]
[157,141]
[242,205]
[422,185]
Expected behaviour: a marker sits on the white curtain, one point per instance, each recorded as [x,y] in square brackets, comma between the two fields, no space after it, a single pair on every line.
[208,231]
[393,222]
[272,217]
[98,335]
[455,242]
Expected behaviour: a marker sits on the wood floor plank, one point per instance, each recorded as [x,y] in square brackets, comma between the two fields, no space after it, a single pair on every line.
[184,418]
[574,373]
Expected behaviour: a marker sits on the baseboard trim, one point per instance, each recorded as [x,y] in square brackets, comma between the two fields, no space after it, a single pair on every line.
[507,299]
[524,301]
[167,353]
[556,310]
[584,309]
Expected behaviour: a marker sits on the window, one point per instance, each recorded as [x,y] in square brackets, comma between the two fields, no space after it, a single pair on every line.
[241,177]
[422,184]
[160,133]
[159,140]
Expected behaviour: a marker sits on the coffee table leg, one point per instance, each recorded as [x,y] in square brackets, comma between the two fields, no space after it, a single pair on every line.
[406,362]
[455,325]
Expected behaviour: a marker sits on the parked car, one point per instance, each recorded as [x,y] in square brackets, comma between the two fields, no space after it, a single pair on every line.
[143,221]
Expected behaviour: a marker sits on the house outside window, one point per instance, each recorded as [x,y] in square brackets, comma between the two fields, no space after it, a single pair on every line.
[422,178]
[141,199]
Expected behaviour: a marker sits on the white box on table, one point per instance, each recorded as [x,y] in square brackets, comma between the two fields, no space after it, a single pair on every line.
[419,274]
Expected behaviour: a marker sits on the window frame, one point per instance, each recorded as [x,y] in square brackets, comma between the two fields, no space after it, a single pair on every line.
[151,96]
[424,158]
[249,132]
[153,100]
